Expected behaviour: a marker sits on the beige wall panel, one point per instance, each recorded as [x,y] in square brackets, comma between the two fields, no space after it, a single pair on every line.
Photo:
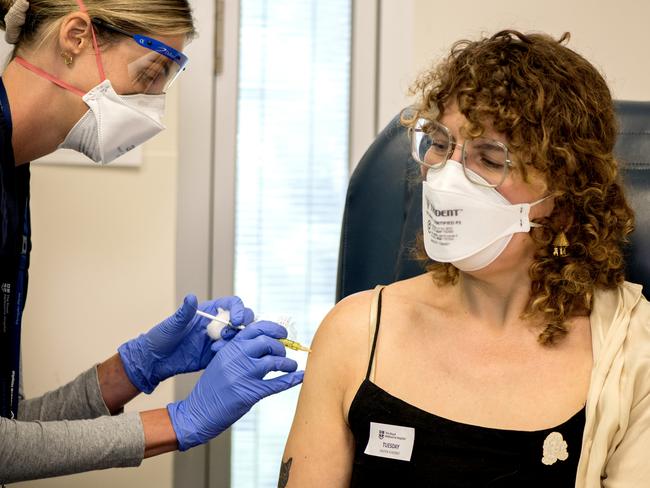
[612,35]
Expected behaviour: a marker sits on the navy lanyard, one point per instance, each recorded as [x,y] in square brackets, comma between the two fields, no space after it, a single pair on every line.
[13,285]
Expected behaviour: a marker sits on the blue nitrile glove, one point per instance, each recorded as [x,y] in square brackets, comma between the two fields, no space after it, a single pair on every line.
[232,383]
[179,344]
[227,333]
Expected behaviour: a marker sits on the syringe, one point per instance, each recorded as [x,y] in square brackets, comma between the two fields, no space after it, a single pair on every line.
[288,343]
[296,346]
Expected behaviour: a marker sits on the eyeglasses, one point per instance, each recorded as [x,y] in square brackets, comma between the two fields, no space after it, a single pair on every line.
[157,69]
[486,162]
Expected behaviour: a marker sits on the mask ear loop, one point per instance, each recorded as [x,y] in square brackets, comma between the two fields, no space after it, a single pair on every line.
[98,58]
[535,224]
[61,83]
[47,76]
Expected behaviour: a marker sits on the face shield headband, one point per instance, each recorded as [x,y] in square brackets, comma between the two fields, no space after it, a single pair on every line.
[159,66]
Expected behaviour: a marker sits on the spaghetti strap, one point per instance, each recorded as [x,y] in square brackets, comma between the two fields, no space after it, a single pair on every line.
[375,317]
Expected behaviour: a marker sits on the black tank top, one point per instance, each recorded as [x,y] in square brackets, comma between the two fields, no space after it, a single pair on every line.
[446,453]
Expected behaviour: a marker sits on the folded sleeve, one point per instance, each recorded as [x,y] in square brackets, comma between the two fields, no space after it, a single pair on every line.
[628,466]
[79,399]
[36,449]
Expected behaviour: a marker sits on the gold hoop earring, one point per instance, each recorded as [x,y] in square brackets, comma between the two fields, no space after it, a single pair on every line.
[67,58]
[560,244]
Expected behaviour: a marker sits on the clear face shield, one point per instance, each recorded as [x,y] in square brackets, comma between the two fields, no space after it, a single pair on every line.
[157,68]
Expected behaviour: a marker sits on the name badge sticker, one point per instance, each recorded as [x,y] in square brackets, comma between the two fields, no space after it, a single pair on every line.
[390,441]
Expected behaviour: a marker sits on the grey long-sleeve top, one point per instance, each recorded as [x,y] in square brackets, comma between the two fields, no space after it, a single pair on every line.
[68,430]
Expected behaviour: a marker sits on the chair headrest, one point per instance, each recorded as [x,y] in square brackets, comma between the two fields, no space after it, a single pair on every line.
[633,152]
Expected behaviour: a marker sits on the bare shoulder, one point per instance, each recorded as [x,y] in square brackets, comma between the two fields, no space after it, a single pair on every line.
[342,343]
[344,332]
[415,295]
[349,316]
[418,287]
[342,339]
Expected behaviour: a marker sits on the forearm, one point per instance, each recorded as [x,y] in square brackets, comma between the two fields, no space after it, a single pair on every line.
[102,390]
[79,399]
[116,388]
[159,435]
[34,450]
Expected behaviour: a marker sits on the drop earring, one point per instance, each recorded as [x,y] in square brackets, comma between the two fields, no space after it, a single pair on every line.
[560,244]
[67,58]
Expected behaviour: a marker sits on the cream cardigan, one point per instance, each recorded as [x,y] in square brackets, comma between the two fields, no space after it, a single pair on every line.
[616,440]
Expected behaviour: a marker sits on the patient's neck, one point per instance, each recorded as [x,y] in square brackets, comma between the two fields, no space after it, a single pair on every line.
[497,300]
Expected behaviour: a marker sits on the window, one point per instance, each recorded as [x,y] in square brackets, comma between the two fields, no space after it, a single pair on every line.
[292,174]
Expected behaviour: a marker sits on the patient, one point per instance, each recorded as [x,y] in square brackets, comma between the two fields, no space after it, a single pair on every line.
[521,358]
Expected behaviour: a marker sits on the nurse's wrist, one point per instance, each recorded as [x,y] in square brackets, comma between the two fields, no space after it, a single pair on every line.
[159,434]
[138,364]
[115,386]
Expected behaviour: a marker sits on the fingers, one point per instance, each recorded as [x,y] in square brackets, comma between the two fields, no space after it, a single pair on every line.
[236,308]
[239,314]
[267,364]
[249,316]
[263,327]
[228,333]
[258,346]
[186,311]
[218,346]
[261,346]
[233,304]
[284,382]
[176,326]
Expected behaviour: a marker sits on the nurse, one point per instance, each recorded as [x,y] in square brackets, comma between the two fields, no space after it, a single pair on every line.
[91,76]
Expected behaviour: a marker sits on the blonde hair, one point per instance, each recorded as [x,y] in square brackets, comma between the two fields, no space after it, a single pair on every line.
[152,17]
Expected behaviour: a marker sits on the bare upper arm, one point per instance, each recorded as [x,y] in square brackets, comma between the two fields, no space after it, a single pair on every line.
[320,448]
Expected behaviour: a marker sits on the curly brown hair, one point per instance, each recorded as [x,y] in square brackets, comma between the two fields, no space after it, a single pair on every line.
[557,114]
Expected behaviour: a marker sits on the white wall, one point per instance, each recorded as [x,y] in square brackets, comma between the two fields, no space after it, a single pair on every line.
[102,271]
[613,35]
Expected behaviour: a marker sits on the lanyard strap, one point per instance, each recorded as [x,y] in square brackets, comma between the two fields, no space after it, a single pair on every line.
[13,266]
[5,111]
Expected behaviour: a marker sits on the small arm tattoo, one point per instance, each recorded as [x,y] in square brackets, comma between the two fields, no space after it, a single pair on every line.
[284,473]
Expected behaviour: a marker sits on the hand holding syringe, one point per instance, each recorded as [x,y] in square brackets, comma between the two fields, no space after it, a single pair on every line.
[222,319]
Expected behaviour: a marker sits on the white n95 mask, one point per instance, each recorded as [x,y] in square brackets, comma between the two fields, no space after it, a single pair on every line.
[465,224]
[115,124]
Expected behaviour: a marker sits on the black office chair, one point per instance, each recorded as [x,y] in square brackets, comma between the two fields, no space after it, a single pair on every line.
[383,208]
